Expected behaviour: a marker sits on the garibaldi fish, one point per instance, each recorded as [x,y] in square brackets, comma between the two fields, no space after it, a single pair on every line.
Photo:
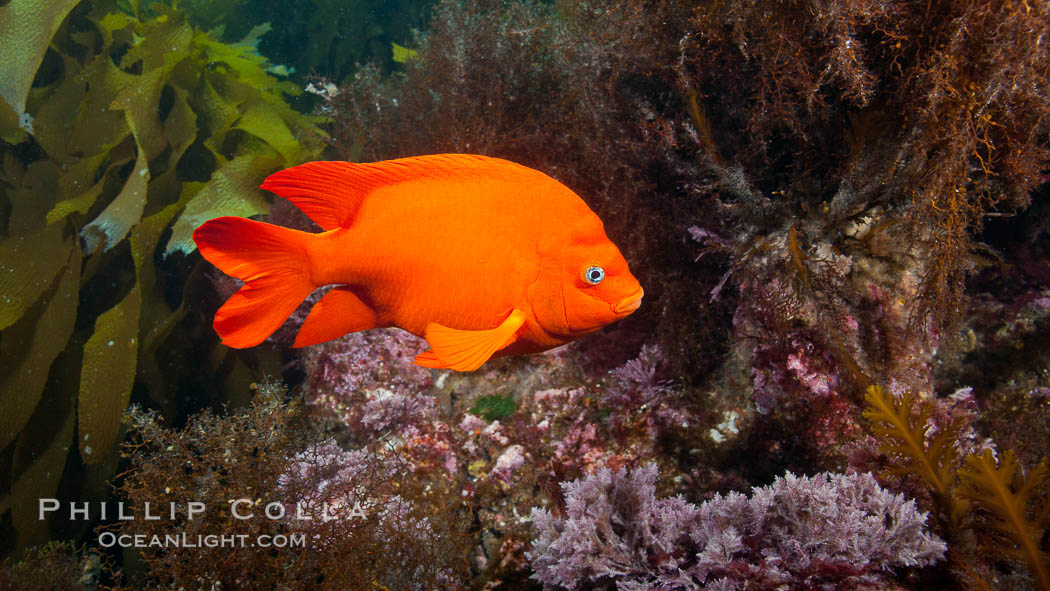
[480,256]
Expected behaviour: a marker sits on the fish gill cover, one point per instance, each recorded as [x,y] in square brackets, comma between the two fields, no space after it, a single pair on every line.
[818,197]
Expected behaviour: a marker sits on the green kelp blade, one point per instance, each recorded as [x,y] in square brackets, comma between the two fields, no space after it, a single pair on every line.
[232,190]
[265,123]
[180,126]
[243,60]
[402,54]
[30,346]
[93,125]
[33,196]
[26,29]
[165,46]
[106,377]
[156,316]
[79,204]
[113,224]
[165,40]
[60,108]
[44,462]
[28,266]
[157,320]
[111,354]
[78,185]
[10,125]
[213,110]
[139,104]
[115,21]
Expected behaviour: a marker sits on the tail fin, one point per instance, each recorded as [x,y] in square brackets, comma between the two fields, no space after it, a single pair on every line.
[271,260]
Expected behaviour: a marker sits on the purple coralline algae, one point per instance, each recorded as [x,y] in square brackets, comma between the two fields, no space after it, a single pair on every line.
[818,532]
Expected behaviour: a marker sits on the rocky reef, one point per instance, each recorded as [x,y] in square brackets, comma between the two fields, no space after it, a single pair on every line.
[836,380]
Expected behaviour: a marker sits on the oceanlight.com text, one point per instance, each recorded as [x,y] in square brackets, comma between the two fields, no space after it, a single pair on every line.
[184,540]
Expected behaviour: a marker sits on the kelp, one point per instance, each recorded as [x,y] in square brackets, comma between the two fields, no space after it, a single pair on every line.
[26,29]
[30,346]
[1015,508]
[10,124]
[107,376]
[143,127]
[232,190]
[318,37]
[21,284]
[976,489]
[902,435]
[37,458]
[113,224]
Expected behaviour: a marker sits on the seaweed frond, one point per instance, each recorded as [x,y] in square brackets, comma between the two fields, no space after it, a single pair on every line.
[903,435]
[798,255]
[1008,498]
[1008,509]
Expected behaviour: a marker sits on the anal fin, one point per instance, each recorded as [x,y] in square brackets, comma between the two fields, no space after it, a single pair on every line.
[340,311]
[466,350]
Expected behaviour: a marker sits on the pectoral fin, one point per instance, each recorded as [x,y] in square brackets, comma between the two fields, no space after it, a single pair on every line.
[466,350]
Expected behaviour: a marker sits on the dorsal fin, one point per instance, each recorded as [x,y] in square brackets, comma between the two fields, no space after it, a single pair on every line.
[332,192]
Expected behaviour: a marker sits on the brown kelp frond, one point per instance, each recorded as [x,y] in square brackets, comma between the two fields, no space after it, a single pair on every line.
[1008,510]
[1012,506]
[903,435]
[136,128]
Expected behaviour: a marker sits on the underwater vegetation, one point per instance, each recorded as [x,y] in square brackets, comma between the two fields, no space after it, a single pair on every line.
[824,531]
[837,211]
[136,127]
[58,566]
[328,38]
[502,438]
[832,165]
[406,534]
[970,484]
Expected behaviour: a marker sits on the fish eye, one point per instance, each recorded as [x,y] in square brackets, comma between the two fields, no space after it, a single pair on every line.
[594,274]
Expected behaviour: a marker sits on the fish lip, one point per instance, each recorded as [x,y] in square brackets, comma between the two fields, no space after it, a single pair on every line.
[630,303]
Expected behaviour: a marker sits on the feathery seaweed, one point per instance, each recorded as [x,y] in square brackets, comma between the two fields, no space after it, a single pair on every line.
[1007,497]
[903,435]
[1009,510]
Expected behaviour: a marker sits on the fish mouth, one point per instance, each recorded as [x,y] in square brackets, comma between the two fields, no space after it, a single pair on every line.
[630,303]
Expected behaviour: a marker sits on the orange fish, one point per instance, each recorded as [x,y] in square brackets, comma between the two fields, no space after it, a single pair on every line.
[480,256]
